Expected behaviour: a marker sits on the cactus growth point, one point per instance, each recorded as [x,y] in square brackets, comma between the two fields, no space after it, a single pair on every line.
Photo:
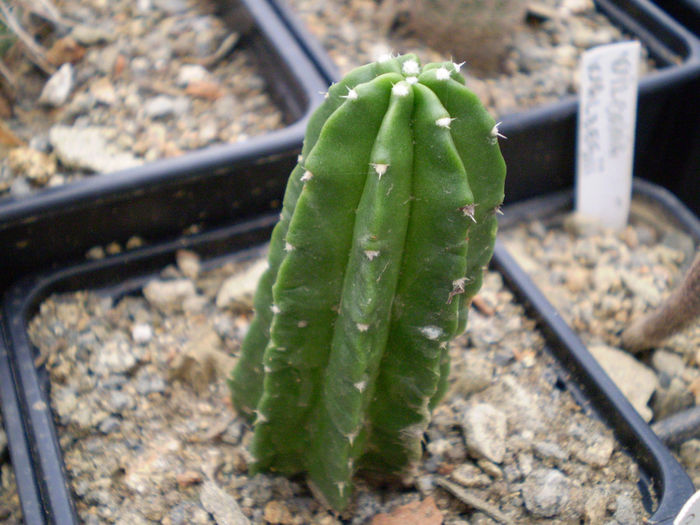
[388,221]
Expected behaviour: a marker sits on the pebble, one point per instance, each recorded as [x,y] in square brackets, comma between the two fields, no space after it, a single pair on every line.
[485,431]
[546,492]
[191,73]
[168,296]
[238,290]
[141,333]
[469,475]
[89,35]
[668,363]
[636,381]
[36,166]
[89,149]
[58,87]
[172,426]
[159,107]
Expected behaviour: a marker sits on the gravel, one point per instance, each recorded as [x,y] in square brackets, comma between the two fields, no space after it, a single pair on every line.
[540,67]
[600,280]
[10,512]
[134,82]
[149,436]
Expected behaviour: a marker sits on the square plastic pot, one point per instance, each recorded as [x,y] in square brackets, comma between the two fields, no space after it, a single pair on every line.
[686,12]
[162,198]
[540,147]
[45,491]
[668,478]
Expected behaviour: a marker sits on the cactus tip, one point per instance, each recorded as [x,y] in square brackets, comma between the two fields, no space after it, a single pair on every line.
[411,67]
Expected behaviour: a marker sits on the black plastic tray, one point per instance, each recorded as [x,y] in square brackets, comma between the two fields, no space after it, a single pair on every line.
[41,480]
[671,483]
[540,148]
[163,198]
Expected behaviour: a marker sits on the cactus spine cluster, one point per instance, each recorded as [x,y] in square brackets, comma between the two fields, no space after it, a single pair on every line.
[388,221]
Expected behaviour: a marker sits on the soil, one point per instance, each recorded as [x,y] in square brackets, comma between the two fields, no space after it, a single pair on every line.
[148,434]
[600,280]
[9,500]
[135,82]
[540,62]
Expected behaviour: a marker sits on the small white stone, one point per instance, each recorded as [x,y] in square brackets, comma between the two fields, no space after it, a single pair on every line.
[431,332]
[442,73]
[371,254]
[380,169]
[58,88]
[400,89]
[410,67]
[307,176]
[141,333]
[444,122]
[362,327]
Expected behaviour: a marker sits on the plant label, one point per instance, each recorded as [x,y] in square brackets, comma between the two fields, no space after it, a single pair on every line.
[606,129]
[690,513]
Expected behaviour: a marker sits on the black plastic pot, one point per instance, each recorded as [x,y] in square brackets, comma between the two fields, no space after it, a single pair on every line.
[540,148]
[46,495]
[163,198]
[687,12]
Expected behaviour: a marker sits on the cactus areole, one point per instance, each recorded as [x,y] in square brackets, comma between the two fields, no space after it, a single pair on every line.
[388,222]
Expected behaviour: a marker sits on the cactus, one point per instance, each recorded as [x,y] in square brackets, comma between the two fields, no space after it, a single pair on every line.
[387,223]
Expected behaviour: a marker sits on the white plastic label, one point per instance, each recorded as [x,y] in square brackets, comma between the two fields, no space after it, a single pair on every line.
[690,513]
[606,128]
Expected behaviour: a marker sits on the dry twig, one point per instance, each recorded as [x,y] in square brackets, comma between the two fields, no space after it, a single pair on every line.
[35,52]
[680,309]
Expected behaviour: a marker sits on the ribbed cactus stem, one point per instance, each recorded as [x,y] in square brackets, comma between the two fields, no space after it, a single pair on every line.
[388,221]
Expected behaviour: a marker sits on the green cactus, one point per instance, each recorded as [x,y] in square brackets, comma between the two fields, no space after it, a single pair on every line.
[388,221]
